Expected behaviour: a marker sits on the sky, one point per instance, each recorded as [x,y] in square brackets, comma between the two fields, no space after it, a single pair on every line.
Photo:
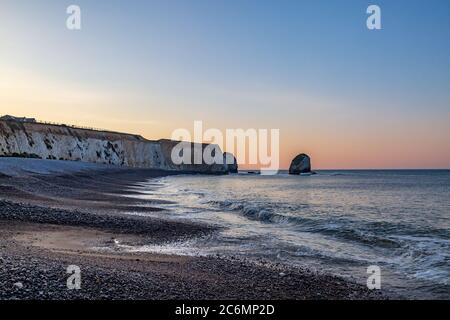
[350,97]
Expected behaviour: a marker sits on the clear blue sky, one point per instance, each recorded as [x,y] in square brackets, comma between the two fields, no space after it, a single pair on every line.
[310,68]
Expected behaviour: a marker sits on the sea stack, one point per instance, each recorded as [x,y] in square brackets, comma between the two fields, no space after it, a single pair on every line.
[230,162]
[300,164]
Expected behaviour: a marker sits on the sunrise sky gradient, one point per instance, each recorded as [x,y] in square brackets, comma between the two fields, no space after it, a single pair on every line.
[349,97]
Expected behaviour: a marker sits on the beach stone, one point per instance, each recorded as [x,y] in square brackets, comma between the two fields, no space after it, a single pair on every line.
[18,285]
[300,164]
[231,164]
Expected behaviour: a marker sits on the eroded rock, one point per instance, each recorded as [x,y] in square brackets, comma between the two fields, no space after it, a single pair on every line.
[230,162]
[300,164]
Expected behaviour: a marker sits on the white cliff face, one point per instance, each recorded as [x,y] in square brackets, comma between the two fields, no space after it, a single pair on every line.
[64,143]
[35,140]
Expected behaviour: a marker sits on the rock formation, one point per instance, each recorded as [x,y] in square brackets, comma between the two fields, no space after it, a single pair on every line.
[300,164]
[60,142]
[230,161]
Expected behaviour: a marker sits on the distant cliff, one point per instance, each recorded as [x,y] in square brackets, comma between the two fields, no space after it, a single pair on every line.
[60,142]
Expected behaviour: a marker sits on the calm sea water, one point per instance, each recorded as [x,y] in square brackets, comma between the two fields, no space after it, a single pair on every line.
[338,222]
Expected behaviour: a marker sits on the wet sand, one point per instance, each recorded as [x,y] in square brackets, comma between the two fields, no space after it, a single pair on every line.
[48,222]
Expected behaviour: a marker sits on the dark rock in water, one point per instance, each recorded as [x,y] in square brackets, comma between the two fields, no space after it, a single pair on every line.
[230,162]
[300,164]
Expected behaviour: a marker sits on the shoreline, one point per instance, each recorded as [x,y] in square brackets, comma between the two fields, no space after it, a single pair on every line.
[48,222]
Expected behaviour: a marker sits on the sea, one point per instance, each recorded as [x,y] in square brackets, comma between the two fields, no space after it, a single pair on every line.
[335,222]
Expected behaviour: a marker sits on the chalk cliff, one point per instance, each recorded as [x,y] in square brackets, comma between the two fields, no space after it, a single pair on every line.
[231,162]
[61,142]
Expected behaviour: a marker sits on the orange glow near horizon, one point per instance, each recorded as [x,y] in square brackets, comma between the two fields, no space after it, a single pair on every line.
[331,145]
[336,153]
